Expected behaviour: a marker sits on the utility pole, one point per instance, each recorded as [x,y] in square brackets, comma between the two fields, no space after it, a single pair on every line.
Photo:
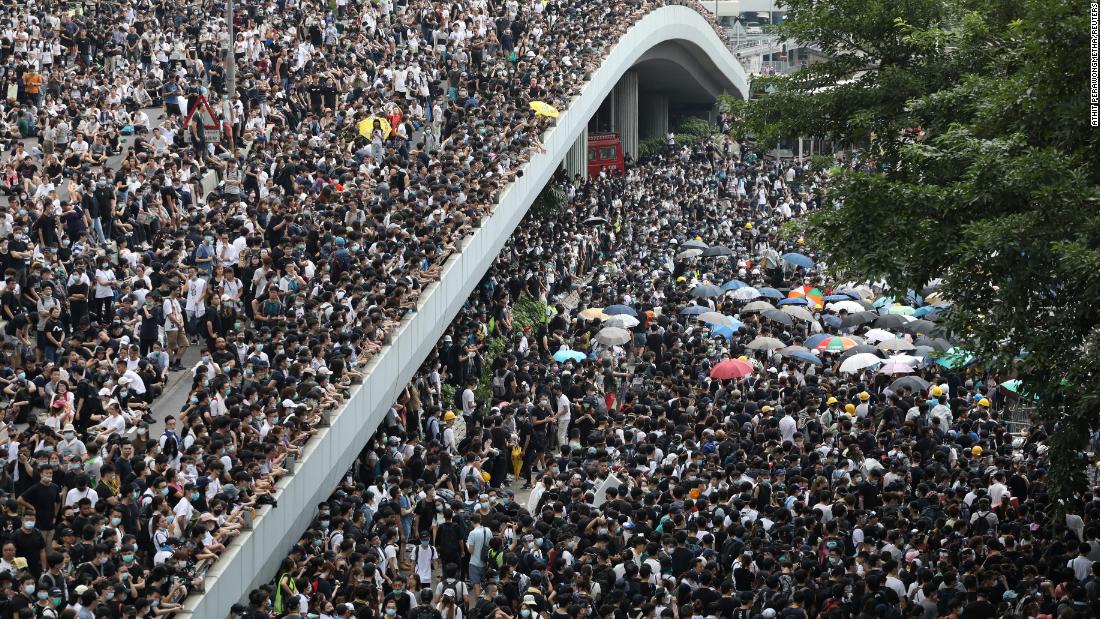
[230,71]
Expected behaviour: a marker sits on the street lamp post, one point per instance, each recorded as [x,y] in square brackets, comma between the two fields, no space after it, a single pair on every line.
[230,71]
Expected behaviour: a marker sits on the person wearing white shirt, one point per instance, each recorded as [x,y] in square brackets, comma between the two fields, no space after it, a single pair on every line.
[81,492]
[787,427]
[115,423]
[195,307]
[998,491]
[105,285]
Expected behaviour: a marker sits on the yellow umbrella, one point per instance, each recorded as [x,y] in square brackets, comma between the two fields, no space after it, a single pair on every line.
[367,125]
[593,313]
[543,108]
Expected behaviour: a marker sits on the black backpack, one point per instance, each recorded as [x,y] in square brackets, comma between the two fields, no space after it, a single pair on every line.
[982,526]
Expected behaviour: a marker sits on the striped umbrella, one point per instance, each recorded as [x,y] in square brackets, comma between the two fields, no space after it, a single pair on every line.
[837,343]
[809,293]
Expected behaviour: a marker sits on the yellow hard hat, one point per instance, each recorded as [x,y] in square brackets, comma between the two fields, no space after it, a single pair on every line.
[743,358]
[831,401]
[486,476]
[448,416]
[748,226]
[976,450]
[937,392]
[850,409]
[864,396]
[984,402]
[681,279]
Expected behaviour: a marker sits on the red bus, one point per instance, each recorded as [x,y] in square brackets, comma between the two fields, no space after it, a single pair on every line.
[605,151]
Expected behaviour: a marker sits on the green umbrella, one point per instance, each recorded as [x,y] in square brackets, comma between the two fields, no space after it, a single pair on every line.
[1017,387]
[955,358]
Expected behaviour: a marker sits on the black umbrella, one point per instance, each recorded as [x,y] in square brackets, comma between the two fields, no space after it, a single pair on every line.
[694,244]
[781,317]
[718,250]
[917,327]
[858,318]
[855,350]
[913,383]
[938,343]
[890,322]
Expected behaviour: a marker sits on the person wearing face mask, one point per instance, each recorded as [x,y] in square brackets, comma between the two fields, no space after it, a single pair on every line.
[30,543]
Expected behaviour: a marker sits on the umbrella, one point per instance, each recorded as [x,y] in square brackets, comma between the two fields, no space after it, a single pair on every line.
[746,293]
[832,321]
[862,348]
[757,306]
[565,354]
[924,351]
[694,244]
[789,301]
[694,310]
[901,310]
[612,310]
[855,363]
[731,368]
[895,345]
[890,321]
[878,335]
[859,318]
[726,331]
[936,343]
[706,290]
[778,316]
[851,293]
[814,340]
[733,284]
[907,359]
[836,298]
[955,358]
[622,321]
[813,295]
[366,126]
[844,306]
[915,384]
[837,344]
[790,350]
[691,252]
[771,293]
[800,313]
[717,250]
[764,343]
[806,357]
[714,318]
[882,302]
[543,108]
[593,313]
[596,221]
[931,311]
[1016,386]
[613,336]
[799,260]
[895,367]
[919,327]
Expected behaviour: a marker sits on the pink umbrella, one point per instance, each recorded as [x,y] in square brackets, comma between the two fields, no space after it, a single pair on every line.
[731,368]
[895,367]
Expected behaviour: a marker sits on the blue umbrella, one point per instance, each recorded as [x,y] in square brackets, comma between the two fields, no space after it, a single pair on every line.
[569,355]
[805,356]
[620,309]
[852,294]
[879,302]
[833,298]
[795,301]
[726,331]
[799,260]
[814,340]
[770,293]
[733,284]
[691,310]
[914,298]
[831,320]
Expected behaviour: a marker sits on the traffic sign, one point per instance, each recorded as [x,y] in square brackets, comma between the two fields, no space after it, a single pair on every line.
[201,112]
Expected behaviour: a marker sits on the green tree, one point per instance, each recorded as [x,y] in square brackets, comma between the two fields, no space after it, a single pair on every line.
[997,195]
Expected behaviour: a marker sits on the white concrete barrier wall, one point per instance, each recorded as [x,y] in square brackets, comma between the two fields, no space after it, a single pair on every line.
[254,556]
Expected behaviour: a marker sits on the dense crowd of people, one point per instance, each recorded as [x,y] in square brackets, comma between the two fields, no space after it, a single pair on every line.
[802,484]
[362,143]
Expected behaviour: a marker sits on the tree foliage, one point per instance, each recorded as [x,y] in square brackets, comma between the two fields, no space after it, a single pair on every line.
[997,194]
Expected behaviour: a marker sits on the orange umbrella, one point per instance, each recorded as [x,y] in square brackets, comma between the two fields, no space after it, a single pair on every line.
[811,294]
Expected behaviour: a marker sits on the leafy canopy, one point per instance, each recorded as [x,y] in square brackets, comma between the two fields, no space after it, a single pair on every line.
[998,194]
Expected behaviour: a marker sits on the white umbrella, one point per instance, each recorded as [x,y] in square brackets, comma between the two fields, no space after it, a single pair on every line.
[757,306]
[613,336]
[910,359]
[878,335]
[859,361]
[800,313]
[714,318]
[689,253]
[622,321]
[746,294]
[896,344]
[764,343]
[848,306]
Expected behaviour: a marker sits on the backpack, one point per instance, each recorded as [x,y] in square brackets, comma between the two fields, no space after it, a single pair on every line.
[982,526]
